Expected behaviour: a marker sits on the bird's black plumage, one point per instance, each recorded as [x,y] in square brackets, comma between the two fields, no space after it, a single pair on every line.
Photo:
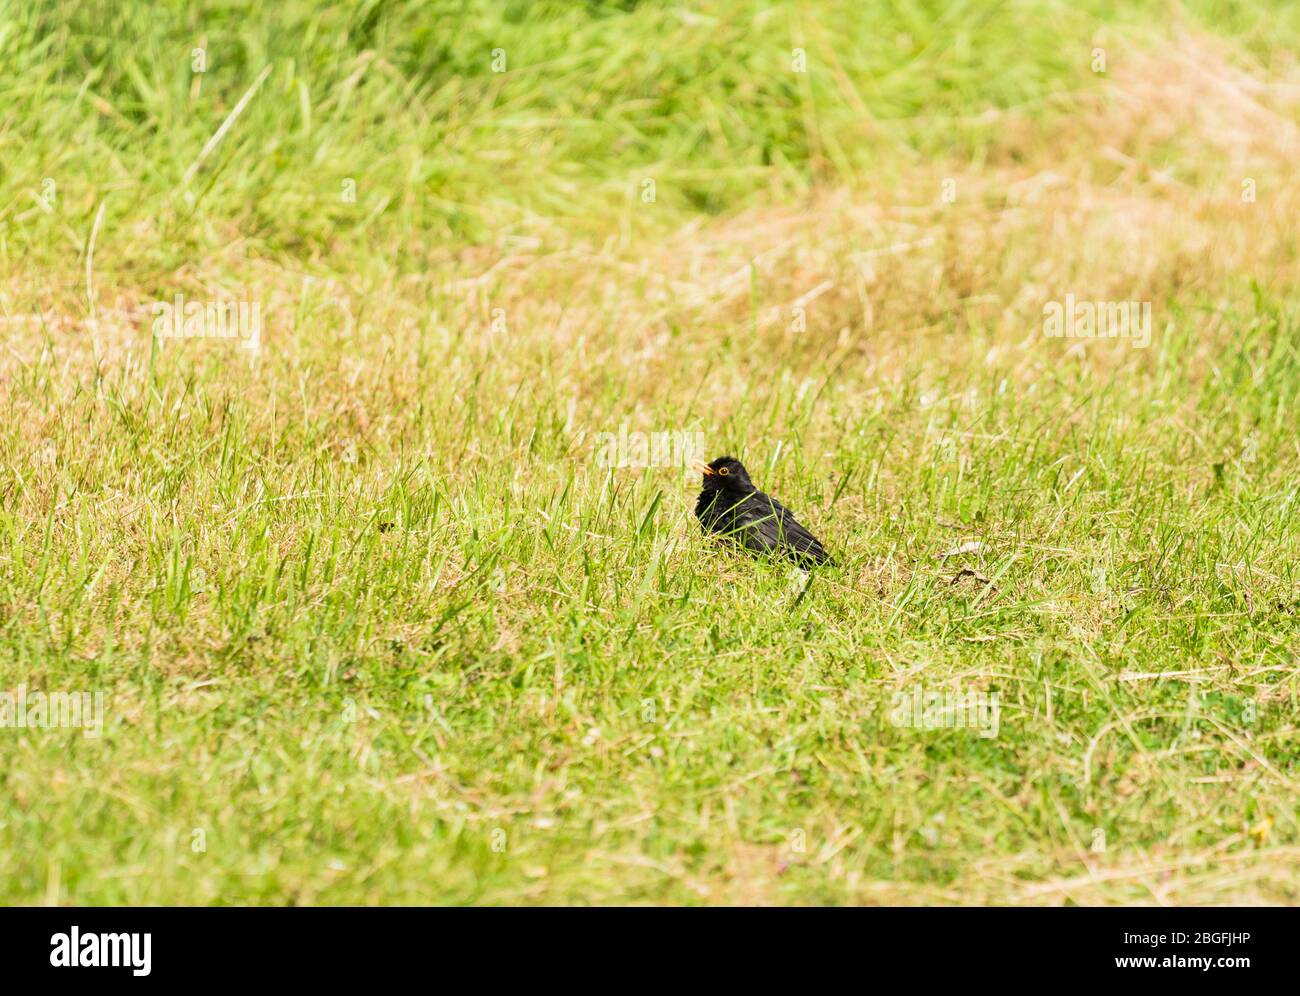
[730,505]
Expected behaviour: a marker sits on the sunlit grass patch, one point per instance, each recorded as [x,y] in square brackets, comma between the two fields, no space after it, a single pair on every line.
[375,621]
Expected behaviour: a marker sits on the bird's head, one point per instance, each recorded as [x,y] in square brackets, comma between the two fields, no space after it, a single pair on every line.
[725,474]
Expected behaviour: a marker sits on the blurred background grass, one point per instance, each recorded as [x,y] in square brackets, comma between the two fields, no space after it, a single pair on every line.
[401,98]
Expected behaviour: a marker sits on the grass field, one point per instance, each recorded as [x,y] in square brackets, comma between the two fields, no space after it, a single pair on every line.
[371,620]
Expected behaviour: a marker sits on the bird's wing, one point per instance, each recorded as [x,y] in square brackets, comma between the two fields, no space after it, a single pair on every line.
[765,526]
[753,525]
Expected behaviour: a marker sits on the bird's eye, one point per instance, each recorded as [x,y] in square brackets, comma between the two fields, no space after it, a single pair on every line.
[723,471]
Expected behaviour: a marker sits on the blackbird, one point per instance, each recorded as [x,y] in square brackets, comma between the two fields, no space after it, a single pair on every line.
[731,506]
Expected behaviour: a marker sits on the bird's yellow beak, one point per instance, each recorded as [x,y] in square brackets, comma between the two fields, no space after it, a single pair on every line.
[700,467]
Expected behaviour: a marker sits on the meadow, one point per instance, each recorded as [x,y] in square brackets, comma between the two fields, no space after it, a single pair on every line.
[375,621]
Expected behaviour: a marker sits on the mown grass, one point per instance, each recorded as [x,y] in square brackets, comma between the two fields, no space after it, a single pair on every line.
[373,624]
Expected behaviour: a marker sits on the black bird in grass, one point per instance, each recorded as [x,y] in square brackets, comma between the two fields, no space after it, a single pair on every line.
[731,506]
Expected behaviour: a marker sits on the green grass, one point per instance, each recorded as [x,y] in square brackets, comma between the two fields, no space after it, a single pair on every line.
[401,97]
[373,625]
